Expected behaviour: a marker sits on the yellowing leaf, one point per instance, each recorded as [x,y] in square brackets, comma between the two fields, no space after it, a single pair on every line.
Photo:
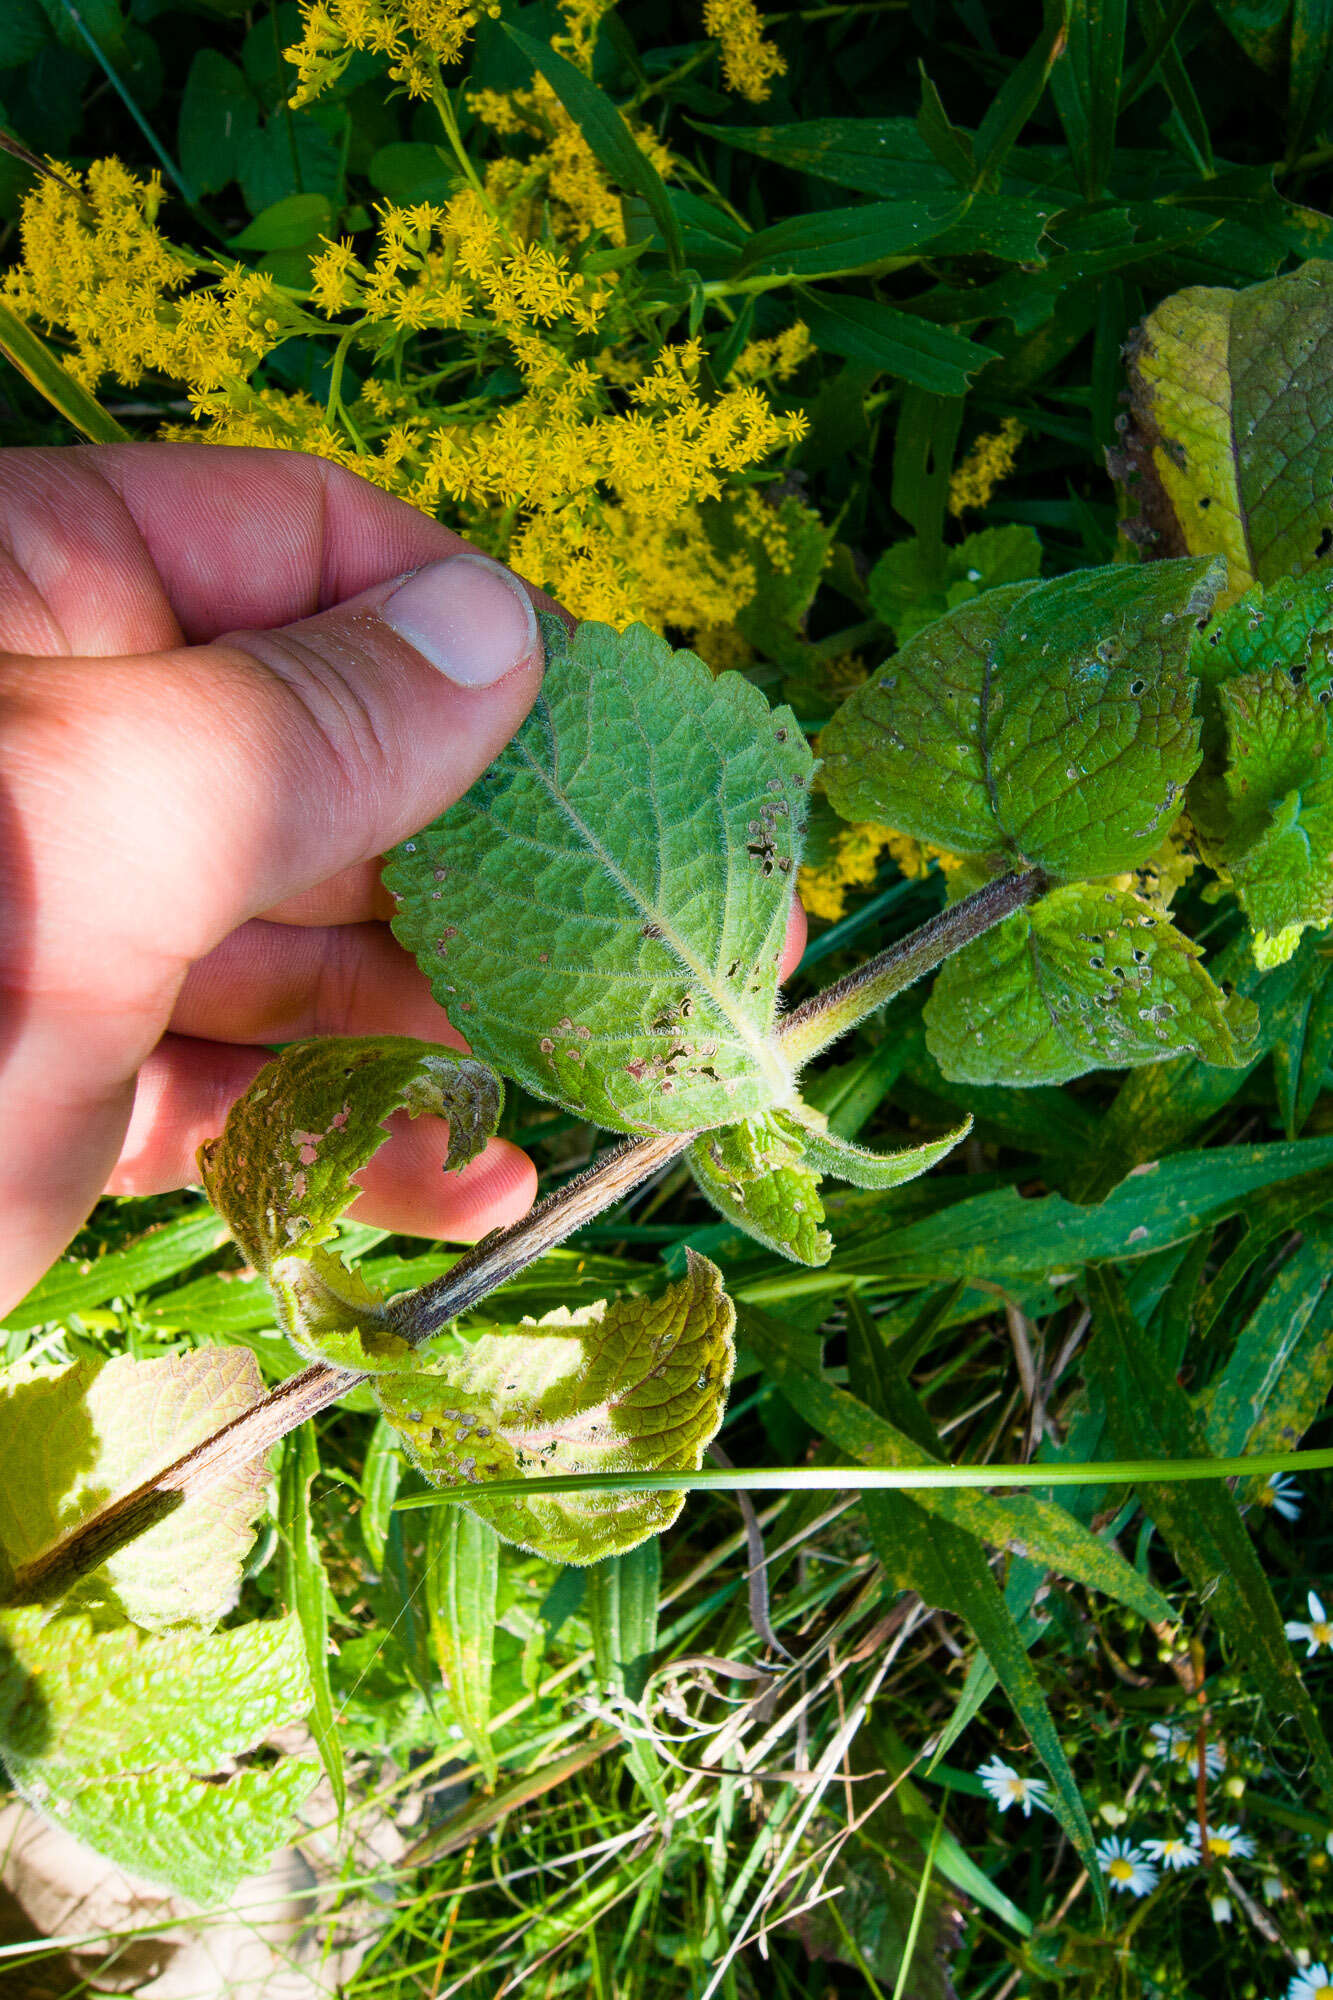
[1231,446]
[638,1384]
[281,1173]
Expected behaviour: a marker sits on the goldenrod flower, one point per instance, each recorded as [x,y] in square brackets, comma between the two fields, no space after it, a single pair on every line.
[749,63]
[986,466]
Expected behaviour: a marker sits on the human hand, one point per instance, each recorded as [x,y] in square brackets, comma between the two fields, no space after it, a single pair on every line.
[190,822]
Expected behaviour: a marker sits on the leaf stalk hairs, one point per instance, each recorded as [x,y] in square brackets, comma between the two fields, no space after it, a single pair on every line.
[421,1314]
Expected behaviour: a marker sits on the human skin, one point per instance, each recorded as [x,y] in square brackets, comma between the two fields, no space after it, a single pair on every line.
[219,704]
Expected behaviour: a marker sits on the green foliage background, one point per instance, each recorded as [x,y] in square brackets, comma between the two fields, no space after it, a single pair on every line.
[968,249]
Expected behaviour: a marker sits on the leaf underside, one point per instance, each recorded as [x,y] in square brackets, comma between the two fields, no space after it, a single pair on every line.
[604,912]
[634,1385]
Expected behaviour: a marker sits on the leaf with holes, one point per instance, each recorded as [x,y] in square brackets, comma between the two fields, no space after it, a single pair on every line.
[1045,723]
[764,1176]
[281,1174]
[637,1384]
[1284,624]
[1269,822]
[1086,978]
[1230,445]
[606,908]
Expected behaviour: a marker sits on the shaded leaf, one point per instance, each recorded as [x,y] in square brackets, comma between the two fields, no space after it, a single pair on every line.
[757,1175]
[1277,1377]
[895,343]
[639,1383]
[1148,1415]
[1086,978]
[908,597]
[307,1595]
[1048,723]
[281,1174]
[612,896]
[75,1284]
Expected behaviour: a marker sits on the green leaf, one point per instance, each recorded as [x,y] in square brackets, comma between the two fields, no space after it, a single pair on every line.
[905,595]
[947,144]
[290,154]
[1148,1414]
[638,1383]
[114,1734]
[828,1154]
[607,906]
[76,1284]
[73,1438]
[1230,449]
[1086,978]
[828,242]
[621,1602]
[894,342]
[281,1173]
[1048,723]
[607,135]
[288,224]
[1288,624]
[1021,1522]
[881,156]
[1086,86]
[218,118]
[462,1591]
[949,1569]
[29,353]
[408,171]
[1021,92]
[757,1176]
[306,1591]
[1277,1377]
[1275,839]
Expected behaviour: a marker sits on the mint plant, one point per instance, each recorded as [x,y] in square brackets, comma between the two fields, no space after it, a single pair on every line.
[604,914]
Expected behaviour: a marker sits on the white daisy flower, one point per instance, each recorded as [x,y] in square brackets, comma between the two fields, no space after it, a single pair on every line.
[1221,1909]
[1007,1789]
[1126,1867]
[1176,1851]
[1283,1495]
[1225,1843]
[1319,1631]
[1181,1746]
[1315,1983]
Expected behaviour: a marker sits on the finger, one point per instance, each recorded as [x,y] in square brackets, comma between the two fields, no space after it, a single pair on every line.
[285,982]
[187,1087]
[355,896]
[793,948]
[133,548]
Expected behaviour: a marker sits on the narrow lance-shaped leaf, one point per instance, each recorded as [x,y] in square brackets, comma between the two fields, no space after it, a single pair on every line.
[281,1174]
[607,906]
[1050,723]
[462,1587]
[1086,978]
[1230,449]
[306,1591]
[638,1384]
[1148,1415]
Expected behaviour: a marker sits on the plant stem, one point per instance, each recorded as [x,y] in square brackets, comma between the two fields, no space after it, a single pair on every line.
[502,1255]
[829,1014]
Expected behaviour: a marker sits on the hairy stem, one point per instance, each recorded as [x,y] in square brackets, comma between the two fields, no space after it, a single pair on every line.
[501,1256]
[822,1019]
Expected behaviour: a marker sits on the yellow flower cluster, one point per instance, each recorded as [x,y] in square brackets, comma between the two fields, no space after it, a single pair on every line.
[95,267]
[601,482]
[416,36]
[854,863]
[774,360]
[986,466]
[582,198]
[749,63]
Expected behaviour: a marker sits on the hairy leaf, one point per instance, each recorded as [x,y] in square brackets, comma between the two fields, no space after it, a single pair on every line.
[758,1176]
[1288,624]
[1086,978]
[73,1438]
[1270,823]
[1231,446]
[115,1735]
[281,1173]
[305,1589]
[1049,723]
[635,1384]
[608,903]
